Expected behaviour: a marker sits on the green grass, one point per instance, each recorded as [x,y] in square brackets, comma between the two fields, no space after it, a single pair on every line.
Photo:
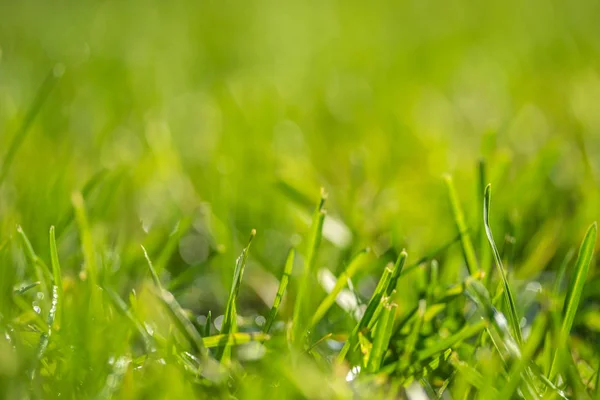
[142,141]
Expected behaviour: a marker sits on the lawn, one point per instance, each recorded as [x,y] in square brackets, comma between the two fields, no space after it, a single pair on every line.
[299,199]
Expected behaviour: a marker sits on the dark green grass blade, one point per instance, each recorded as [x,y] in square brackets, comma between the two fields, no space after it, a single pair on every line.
[285,277]
[357,262]
[300,318]
[57,289]
[459,220]
[512,308]
[484,248]
[20,135]
[230,317]
[25,288]
[208,324]
[234,339]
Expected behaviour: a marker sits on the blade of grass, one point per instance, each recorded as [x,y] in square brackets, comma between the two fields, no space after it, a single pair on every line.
[577,282]
[285,277]
[87,243]
[124,310]
[153,273]
[518,369]
[21,133]
[300,318]
[230,316]
[459,220]
[379,292]
[445,343]
[512,308]
[57,289]
[42,271]
[357,262]
[234,339]
[208,324]
[486,256]
[382,336]
[25,288]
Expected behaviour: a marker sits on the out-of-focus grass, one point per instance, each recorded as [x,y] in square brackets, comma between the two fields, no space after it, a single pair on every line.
[182,126]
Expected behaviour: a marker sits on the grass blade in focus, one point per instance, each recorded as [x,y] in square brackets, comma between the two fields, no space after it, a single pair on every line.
[57,289]
[285,277]
[234,339]
[230,316]
[512,308]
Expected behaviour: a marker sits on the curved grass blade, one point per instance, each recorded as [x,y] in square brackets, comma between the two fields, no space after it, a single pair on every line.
[443,344]
[459,220]
[357,262]
[285,277]
[230,316]
[57,289]
[512,309]
[485,254]
[300,318]
[234,339]
[42,271]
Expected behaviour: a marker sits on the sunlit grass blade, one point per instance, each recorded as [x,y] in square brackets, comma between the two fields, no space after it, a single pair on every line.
[21,133]
[300,318]
[382,336]
[57,290]
[459,220]
[373,304]
[357,262]
[87,244]
[396,272]
[577,282]
[512,308]
[283,282]
[153,273]
[230,317]
[234,339]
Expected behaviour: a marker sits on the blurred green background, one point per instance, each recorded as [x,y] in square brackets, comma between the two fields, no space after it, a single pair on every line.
[211,118]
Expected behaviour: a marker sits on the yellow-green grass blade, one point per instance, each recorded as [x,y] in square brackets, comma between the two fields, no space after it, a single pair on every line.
[57,289]
[153,273]
[301,307]
[484,248]
[230,317]
[577,282]
[234,339]
[382,336]
[42,271]
[87,243]
[357,262]
[512,308]
[283,282]
[459,220]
